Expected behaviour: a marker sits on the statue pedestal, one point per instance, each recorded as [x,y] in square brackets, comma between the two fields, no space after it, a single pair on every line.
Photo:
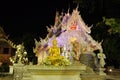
[11,69]
[101,71]
[18,71]
[42,72]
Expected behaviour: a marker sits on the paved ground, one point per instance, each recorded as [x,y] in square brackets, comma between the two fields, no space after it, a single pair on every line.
[109,77]
[114,75]
[6,77]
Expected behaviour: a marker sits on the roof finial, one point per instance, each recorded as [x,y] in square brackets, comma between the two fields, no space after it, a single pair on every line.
[68,8]
[77,6]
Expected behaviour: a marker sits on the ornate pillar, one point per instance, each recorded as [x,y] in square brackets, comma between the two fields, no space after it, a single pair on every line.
[18,71]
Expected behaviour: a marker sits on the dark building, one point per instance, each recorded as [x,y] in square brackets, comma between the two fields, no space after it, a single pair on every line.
[7,48]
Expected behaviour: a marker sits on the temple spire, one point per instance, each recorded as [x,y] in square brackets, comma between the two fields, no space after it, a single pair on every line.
[56,17]
[77,7]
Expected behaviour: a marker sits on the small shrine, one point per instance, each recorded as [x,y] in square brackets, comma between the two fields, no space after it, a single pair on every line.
[72,36]
[61,52]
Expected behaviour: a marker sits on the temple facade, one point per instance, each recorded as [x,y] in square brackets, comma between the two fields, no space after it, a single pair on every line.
[71,33]
[6,47]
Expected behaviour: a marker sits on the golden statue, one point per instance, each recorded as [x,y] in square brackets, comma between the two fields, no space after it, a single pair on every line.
[54,50]
[54,57]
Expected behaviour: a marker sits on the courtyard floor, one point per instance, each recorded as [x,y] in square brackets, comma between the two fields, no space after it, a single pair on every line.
[114,75]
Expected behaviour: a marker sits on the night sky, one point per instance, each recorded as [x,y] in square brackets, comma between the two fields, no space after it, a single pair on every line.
[18,18]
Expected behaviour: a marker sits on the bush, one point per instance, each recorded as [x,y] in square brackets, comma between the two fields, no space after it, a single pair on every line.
[4,67]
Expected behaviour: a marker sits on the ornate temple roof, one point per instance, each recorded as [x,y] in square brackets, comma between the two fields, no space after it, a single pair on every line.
[4,38]
[2,34]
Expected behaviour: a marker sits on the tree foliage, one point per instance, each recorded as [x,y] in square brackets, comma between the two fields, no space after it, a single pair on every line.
[114,24]
[108,30]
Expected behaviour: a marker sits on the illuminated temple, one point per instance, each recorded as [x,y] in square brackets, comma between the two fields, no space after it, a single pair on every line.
[65,53]
[72,35]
